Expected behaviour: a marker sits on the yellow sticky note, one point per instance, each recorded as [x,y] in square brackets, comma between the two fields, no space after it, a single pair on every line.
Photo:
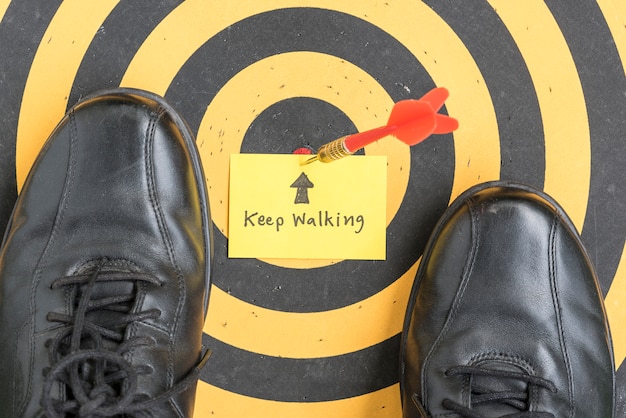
[279,208]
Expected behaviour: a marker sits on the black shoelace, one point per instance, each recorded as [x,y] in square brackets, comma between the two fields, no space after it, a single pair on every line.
[483,395]
[88,369]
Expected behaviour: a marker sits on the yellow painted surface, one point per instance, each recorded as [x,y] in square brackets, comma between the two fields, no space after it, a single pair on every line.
[52,73]
[561,101]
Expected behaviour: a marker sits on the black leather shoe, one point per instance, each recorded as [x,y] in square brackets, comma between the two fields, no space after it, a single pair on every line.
[104,269]
[506,317]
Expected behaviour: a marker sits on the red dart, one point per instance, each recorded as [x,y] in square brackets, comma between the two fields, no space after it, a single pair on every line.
[410,121]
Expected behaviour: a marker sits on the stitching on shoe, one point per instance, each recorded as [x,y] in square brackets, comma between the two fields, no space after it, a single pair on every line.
[558,313]
[118,263]
[41,263]
[155,115]
[510,358]
[467,271]
[13,363]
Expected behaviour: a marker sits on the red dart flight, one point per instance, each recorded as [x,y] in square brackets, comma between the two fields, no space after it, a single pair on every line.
[410,121]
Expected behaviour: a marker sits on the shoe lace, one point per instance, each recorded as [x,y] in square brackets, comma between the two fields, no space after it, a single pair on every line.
[87,356]
[482,395]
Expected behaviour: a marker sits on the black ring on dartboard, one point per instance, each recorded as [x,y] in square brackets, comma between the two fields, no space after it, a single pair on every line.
[510,87]
[398,71]
[302,380]
[343,36]
[103,66]
[17,49]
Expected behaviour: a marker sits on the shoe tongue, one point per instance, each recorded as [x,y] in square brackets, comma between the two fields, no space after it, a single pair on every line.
[111,316]
[497,384]
[102,290]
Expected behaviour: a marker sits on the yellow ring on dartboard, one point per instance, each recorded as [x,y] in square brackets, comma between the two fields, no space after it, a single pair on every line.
[439,50]
[219,123]
[615,14]
[383,403]
[314,334]
[51,75]
[288,75]
[561,101]
[450,64]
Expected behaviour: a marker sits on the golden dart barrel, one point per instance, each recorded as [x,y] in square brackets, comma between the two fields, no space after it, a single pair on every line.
[333,151]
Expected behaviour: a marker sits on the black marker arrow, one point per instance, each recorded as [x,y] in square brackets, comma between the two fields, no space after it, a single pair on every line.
[302,183]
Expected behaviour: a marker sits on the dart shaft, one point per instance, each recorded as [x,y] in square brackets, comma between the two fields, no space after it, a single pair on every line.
[410,121]
[355,142]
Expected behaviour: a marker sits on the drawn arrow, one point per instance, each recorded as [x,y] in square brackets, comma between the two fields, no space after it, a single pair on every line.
[303,184]
[410,121]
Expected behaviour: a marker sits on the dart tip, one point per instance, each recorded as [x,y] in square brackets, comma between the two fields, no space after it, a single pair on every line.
[310,160]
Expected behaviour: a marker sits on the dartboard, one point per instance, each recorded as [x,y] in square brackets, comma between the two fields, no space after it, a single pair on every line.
[539,90]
